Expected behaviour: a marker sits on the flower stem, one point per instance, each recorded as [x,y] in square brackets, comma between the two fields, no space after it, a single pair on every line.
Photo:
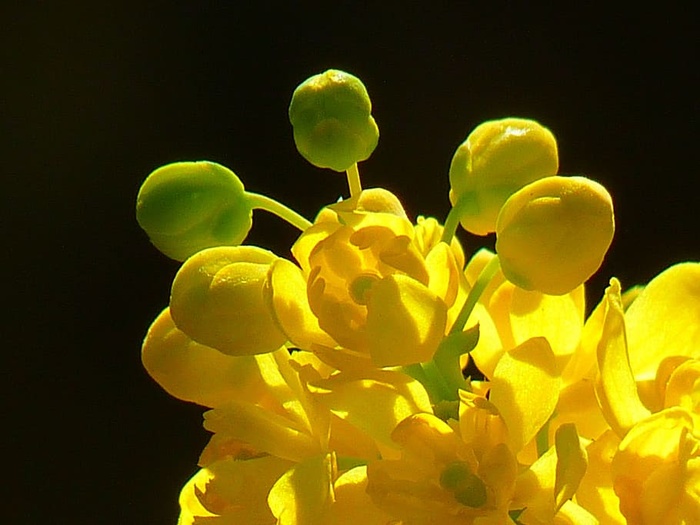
[261,202]
[354,183]
[454,216]
[480,285]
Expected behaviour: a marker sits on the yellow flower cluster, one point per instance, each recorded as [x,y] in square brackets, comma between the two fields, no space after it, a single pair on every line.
[335,380]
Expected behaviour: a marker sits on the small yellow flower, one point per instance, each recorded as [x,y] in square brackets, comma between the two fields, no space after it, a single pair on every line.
[369,290]
[438,478]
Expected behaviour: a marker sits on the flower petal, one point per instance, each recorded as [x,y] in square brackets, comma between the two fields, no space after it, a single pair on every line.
[615,387]
[304,493]
[264,430]
[375,400]
[525,389]
[194,372]
[234,490]
[405,321]
[286,295]
[572,462]
[663,320]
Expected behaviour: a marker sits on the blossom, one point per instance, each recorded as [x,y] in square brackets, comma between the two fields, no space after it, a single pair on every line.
[335,380]
[367,290]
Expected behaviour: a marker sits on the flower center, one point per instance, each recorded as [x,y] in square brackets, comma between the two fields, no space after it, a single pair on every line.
[468,489]
[360,286]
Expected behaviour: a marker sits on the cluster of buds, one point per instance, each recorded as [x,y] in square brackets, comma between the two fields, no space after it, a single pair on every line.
[336,381]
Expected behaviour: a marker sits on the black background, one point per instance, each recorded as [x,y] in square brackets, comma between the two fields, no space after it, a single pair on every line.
[97,95]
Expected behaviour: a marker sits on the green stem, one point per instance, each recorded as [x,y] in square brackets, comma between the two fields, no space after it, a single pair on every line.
[353,175]
[454,216]
[417,372]
[480,285]
[261,202]
[438,382]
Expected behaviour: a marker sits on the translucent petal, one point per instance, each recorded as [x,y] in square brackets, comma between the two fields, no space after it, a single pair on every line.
[194,372]
[480,423]
[573,514]
[235,490]
[303,495]
[264,430]
[534,490]
[308,241]
[286,293]
[352,504]
[572,461]
[663,320]
[559,318]
[444,273]
[615,387]
[595,492]
[683,389]
[375,401]
[405,321]
[648,446]
[525,389]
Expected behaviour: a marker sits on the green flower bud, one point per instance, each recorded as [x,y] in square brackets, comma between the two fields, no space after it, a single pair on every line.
[185,207]
[552,235]
[217,300]
[498,158]
[330,114]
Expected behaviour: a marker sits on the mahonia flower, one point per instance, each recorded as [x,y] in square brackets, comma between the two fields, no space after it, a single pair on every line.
[335,381]
[369,286]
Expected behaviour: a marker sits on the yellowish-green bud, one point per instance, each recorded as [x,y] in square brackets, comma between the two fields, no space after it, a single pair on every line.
[552,235]
[333,127]
[498,158]
[217,300]
[185,207]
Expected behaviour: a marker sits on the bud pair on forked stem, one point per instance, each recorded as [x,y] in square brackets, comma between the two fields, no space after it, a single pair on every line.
[552,232]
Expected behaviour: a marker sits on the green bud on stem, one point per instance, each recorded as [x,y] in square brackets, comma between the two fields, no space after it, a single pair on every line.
[333,127]
[185,207]
[497,159]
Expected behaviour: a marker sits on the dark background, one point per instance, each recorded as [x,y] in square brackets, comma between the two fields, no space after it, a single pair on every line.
[97,95]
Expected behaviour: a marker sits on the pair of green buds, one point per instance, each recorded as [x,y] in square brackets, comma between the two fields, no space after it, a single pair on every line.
[185,207]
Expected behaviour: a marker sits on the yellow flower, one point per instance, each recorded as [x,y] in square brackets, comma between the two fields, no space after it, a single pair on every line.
[467,472]
[336,382]
[653,462]
[231,491]
[438,478]
[369,289]
[656,470]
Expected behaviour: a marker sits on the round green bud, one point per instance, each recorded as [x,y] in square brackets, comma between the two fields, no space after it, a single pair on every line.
[552,234]
[330,114]
[217,299]
[185,207]
[498,158]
